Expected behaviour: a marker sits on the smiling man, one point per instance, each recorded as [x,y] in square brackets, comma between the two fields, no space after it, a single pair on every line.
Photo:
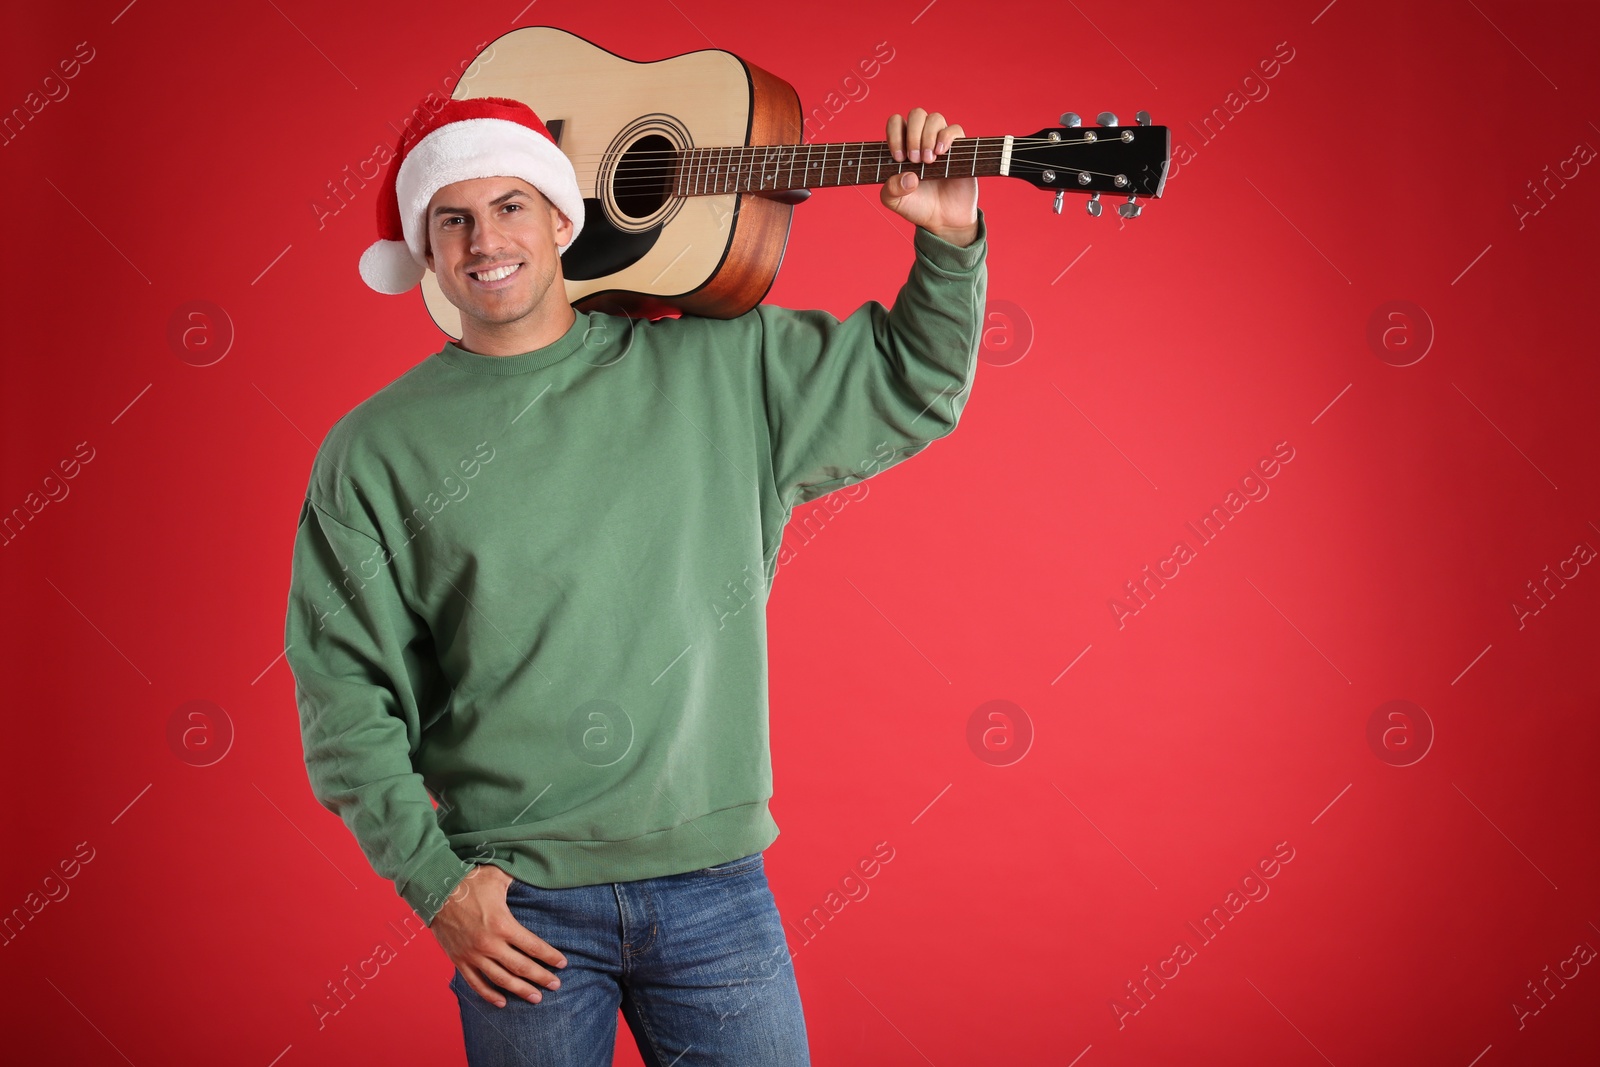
[492,245]
[532,709]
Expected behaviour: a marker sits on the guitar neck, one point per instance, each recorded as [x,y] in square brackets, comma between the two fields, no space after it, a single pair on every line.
[768,168]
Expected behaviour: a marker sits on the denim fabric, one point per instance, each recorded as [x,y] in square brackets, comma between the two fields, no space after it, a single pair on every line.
[697,962]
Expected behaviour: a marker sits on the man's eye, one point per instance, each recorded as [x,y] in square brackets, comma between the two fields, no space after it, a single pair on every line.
[513,207]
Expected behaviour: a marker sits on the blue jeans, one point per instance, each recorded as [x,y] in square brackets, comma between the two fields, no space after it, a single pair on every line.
[697,962]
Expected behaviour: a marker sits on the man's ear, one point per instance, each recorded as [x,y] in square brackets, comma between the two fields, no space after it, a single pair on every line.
[563,226]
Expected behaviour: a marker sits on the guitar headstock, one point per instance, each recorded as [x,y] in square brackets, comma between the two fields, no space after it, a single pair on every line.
[1126,161]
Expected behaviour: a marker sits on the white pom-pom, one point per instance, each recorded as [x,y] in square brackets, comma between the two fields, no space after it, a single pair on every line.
[387,267]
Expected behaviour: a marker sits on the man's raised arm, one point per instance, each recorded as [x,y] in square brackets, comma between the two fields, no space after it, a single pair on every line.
[845,400]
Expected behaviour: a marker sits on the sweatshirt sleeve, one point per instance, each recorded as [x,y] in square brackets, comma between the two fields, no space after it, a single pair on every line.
[847,399]
[366,681]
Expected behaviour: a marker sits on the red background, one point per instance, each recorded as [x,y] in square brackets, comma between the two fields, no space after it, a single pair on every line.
[1228,715]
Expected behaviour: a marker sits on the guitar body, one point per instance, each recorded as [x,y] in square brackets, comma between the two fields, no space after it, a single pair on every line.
[644,251]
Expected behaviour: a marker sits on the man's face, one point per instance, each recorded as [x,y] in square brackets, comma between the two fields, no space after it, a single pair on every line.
[480,227]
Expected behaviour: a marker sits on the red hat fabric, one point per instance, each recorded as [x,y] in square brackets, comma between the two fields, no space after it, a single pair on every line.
[481,137]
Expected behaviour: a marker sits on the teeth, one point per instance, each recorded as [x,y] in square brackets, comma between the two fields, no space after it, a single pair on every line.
[497,274]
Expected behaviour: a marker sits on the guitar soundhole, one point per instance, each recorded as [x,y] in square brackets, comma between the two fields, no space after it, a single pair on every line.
[642,181]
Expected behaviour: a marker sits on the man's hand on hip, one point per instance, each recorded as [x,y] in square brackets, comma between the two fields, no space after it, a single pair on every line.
[486,943]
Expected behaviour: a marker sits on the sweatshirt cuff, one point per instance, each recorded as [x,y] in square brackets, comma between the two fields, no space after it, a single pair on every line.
[430,885]
[951,257]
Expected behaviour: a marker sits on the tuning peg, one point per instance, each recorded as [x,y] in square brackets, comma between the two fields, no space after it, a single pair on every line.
[1071,118]
[1056,207]
[1142,118]
[1093,205]
[1130,210]
[1106,118]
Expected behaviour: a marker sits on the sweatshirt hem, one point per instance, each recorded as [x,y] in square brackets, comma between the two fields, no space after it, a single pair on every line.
[714,838]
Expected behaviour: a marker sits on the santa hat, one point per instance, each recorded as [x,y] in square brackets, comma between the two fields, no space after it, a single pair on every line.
[482,137]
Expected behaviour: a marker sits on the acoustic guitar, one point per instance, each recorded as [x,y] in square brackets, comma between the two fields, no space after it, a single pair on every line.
[691,166]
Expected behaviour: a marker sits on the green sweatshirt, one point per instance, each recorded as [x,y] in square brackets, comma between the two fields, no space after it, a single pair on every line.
[527,618]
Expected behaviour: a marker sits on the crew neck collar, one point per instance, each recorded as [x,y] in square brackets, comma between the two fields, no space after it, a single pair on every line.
[454,356]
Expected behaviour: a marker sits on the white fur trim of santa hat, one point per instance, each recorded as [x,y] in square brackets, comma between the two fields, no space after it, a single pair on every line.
[454,152]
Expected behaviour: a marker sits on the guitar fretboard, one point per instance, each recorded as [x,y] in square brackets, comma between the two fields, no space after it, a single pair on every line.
[765,168]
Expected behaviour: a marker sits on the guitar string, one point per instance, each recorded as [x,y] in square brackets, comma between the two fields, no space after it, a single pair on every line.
[697,171]
[959,142]
[701,161]
[759,187]
[655,179]
[751,153]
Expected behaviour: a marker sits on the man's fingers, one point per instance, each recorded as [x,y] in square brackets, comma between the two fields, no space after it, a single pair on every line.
[519,964]
[897,137]
[898,186]
[480,987]
[523,940]
[914,123]
[930,136]
[509,982]
[921,136]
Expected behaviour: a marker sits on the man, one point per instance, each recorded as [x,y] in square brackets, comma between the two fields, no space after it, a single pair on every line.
[527,614]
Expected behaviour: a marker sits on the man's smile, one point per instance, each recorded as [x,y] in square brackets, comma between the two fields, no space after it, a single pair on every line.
[494,277]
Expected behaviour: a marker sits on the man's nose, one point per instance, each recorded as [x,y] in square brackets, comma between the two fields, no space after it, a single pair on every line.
[487,237]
